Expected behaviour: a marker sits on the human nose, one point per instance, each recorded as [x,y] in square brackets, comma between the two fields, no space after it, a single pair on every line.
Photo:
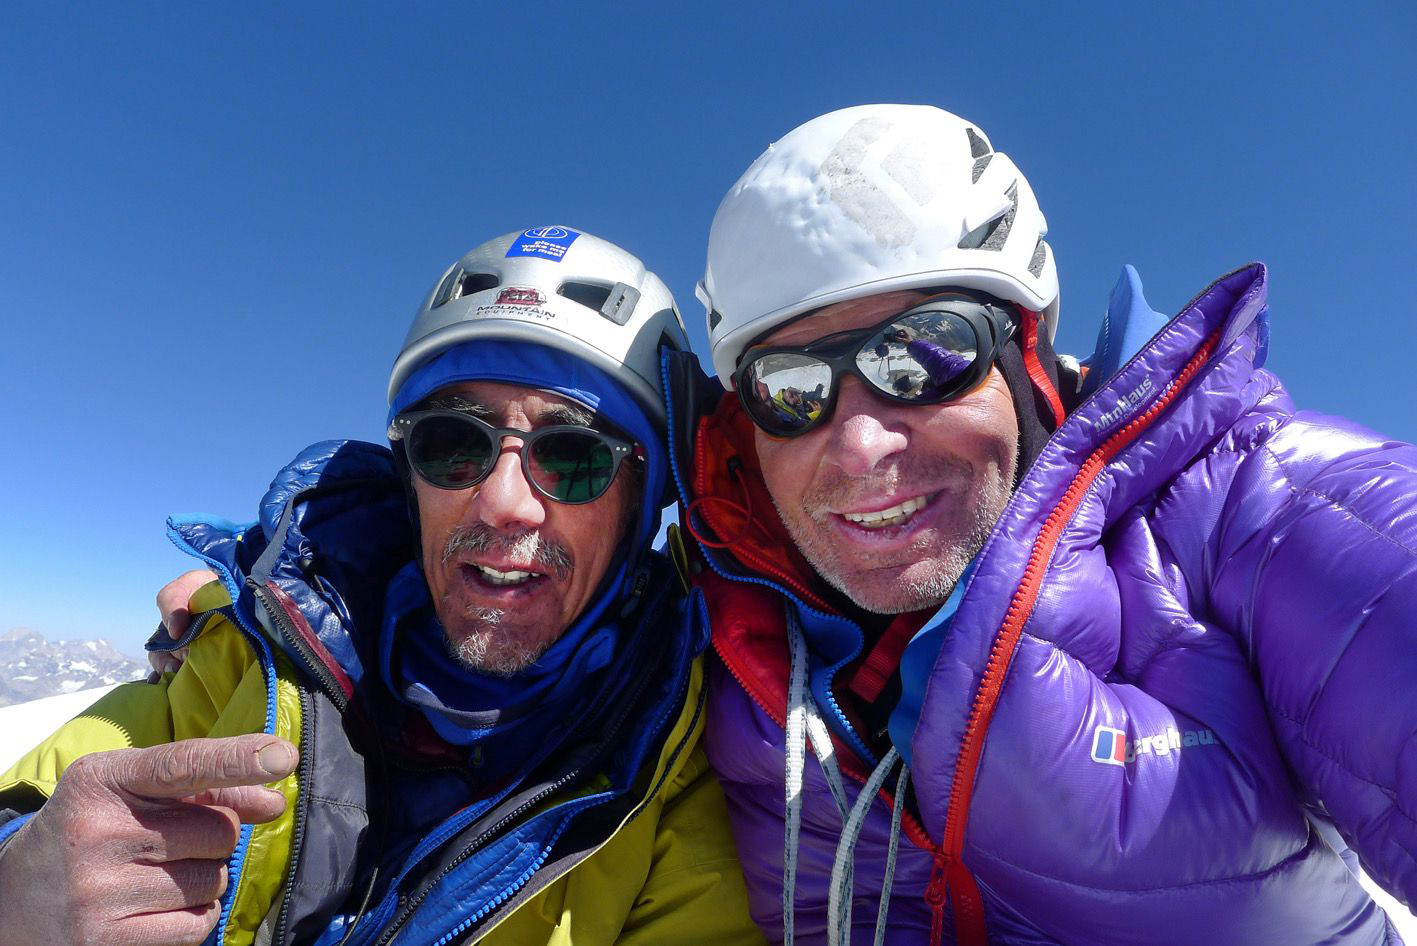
[860,439]
[505,499]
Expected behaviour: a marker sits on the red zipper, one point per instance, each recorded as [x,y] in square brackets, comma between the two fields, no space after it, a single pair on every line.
[951,878]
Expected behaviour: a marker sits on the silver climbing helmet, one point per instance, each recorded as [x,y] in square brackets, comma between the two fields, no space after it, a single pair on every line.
[558,287]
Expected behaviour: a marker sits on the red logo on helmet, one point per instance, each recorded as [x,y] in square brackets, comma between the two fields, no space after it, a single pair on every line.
[514,295]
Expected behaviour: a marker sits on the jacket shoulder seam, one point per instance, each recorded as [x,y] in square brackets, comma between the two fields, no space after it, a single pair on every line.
[1308,743]
[1298,490]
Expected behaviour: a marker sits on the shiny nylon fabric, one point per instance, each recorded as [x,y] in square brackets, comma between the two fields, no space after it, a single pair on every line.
[1238,570]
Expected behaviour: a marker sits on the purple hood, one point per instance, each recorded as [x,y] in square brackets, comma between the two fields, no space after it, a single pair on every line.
[1184,656]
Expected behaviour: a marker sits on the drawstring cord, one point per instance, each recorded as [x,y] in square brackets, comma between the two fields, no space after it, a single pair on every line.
[901,782]
[744,509]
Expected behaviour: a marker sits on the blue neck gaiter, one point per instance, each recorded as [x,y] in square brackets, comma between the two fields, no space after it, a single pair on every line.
[463,705]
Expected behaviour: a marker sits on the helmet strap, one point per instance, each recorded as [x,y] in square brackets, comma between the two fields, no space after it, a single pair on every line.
[1045,379]
[406,481]
[1030,369]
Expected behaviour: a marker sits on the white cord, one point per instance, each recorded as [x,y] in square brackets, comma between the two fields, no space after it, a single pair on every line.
[889,880]
[803,721]
[839,902]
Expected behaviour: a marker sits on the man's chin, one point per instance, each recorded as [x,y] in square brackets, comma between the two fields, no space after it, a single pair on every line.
[494,652]
[898,590]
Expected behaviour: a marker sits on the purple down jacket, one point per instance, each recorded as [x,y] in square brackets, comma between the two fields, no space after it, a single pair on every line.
[1186,653]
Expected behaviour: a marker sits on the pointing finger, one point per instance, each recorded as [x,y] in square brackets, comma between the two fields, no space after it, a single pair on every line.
[189,766]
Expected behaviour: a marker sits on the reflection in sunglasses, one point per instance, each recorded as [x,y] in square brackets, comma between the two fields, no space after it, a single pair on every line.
[454,450]
[919,357]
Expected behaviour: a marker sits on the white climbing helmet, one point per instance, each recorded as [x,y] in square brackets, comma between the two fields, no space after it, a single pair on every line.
[559,287]
[867,200]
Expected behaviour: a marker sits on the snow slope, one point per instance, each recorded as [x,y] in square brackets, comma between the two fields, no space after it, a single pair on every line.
[24,725]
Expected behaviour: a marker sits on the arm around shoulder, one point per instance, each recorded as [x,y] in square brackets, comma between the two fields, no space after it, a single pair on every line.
[1315,568]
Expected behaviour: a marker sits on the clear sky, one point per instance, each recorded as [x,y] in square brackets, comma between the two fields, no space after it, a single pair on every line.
[215,226]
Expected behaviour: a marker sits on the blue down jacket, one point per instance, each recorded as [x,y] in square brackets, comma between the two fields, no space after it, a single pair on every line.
[1185,655]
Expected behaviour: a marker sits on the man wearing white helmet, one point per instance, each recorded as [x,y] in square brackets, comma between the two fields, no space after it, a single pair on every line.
[1108,655]
[495,694]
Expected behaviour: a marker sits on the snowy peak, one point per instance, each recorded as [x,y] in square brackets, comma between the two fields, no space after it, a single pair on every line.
[32,667]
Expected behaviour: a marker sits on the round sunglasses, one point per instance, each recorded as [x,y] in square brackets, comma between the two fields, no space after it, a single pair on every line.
[928,354]
[454,450]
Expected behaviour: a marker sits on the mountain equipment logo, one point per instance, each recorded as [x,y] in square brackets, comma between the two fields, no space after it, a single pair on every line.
[515,295]
[1111,746]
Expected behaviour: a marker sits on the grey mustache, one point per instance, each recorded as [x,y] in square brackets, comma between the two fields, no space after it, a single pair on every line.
[479,537]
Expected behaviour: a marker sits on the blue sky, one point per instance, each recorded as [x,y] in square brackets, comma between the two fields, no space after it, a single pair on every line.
[216,226]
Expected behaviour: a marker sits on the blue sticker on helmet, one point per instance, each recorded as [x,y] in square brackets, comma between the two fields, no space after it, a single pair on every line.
[547,242]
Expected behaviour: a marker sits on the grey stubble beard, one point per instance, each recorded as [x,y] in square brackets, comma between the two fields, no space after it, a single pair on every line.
[909,593]
[483,646]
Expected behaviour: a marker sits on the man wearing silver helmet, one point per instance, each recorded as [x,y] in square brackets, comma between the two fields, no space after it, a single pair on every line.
[1107,654]
[440,694]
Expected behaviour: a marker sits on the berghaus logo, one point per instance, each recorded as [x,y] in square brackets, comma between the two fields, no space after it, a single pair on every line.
[1112,747]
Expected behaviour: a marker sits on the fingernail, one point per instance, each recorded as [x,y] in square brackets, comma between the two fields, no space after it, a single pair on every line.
[277,759]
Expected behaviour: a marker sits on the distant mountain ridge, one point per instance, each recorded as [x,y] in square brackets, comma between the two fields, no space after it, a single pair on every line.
[32,667]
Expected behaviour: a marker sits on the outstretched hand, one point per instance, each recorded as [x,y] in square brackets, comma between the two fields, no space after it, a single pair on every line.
[132,846]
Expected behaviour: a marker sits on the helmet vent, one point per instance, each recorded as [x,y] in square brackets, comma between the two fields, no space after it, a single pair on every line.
[458,284]
[620,304]
[617,303]
[588,294]
[445,288]
[1040,253]
[979,165]
[991,235]
[999,232]
[978,147]
[475,282]
[715,317]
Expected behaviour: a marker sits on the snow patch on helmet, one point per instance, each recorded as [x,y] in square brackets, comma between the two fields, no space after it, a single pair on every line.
[868,200]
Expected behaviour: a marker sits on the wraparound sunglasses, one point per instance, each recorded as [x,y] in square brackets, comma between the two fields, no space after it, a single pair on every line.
[928,354]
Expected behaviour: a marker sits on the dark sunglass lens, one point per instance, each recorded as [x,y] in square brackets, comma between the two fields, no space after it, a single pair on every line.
[449,452]
[924,356]
[785,392]
[573,467]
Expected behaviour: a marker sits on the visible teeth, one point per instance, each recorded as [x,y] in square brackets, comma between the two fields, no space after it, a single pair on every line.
[504,578]
[887,517]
